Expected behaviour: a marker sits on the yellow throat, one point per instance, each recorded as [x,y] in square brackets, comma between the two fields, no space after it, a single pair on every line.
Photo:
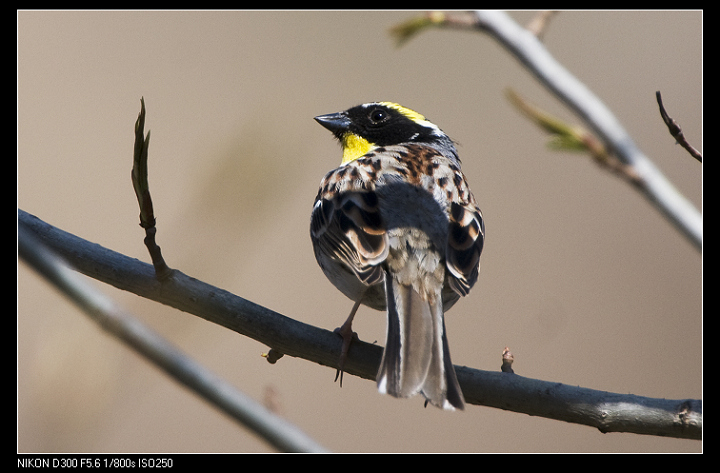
[354,146]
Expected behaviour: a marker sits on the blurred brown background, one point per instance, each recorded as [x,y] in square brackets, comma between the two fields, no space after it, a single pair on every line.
[583,279]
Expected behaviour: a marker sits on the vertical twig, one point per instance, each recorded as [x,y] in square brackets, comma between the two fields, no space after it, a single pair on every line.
[142,191]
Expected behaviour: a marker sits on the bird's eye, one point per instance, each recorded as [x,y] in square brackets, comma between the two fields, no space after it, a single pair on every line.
[378,115]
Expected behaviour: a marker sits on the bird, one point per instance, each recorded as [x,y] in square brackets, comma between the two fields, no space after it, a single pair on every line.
[396,228]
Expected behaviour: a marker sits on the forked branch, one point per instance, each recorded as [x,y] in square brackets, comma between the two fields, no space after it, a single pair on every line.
[525,46]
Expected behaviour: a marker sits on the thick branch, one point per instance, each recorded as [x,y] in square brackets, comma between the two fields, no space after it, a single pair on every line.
[608,412]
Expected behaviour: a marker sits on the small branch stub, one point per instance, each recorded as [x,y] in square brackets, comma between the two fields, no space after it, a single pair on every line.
[272,356]
[507,361]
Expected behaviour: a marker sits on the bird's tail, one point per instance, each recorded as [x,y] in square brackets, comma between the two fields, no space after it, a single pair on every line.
[416,357]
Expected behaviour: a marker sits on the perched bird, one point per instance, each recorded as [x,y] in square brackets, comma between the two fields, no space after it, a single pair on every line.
[396,228]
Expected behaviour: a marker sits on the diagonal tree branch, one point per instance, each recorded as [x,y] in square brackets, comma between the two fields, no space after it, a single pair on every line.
[608,412]
[532,54]
[125,327]
[528,49]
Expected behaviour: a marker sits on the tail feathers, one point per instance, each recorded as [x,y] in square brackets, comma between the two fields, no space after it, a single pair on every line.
[416,357]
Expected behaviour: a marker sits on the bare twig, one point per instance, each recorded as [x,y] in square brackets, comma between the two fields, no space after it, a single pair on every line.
[125,327]
[139,177]
[675,130]
[608,412]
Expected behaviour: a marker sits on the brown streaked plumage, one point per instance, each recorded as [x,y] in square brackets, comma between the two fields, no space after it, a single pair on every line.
[396,228]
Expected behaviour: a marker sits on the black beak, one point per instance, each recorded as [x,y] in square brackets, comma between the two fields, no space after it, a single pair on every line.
[335,122]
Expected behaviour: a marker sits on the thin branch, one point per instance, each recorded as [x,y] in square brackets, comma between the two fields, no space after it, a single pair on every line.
[125,327]
[139,177]
[608,412]
[676,131]
[532,54]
